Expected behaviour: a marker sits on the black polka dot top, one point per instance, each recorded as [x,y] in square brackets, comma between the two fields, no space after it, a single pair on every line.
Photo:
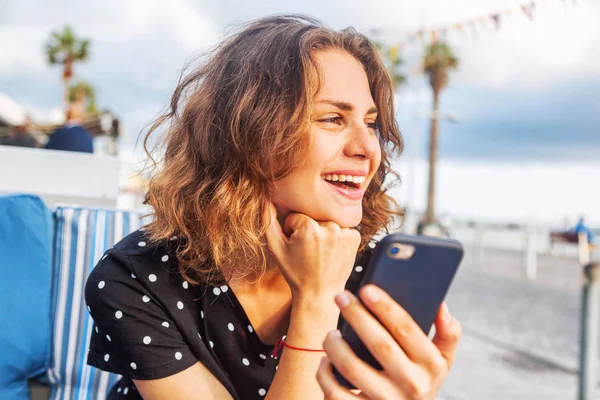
[150,323]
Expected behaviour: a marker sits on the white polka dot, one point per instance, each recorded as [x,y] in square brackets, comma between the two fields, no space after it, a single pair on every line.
[97,329]
[145,298]
[165,324]
[89,309]
[230,326]
[211,344]
[372,245]
[133,366]
[283,337]
[152,278]
[224,288]
[245,362]
[358,268]
[119,390]
[147,339]
[165,258]
[178,356]
[262,356]
[277,366]
[108,338]
[201,314]
[217,291]
[106,357]
[133,276]
[173,237]
[119,314]
[262,392]
[126,390]
[106,255]
[250,329]
[142,244]
[180,305]
[185,284]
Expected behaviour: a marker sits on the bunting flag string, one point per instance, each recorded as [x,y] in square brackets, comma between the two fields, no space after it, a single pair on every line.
[497,20]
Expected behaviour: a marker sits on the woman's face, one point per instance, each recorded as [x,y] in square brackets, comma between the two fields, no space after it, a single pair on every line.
[345,152]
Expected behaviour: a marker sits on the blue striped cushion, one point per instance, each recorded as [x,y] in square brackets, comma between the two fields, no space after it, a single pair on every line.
[25,260]
[82,236]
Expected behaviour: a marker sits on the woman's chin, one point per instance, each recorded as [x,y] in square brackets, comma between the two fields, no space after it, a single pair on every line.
[349,220]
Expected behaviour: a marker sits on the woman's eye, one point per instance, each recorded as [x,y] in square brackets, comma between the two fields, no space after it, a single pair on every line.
[332,120]
[373,125]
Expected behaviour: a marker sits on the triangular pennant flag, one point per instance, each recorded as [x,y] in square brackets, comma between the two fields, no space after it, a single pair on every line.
[496,19]
[528,10]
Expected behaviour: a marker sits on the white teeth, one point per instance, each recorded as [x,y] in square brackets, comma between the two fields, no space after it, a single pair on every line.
[344,178]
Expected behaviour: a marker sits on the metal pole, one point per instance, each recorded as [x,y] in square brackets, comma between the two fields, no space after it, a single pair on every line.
[479,246]
[530,252]
[588,353]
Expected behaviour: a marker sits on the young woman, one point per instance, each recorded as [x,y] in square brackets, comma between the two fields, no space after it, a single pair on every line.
[269,191]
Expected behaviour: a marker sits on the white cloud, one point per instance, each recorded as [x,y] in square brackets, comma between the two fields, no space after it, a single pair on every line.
[558,45]
[155,30]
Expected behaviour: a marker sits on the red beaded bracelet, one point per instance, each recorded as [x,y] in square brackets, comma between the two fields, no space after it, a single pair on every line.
[281,344]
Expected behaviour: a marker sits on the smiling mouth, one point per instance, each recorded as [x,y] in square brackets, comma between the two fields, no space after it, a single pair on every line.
[345,181]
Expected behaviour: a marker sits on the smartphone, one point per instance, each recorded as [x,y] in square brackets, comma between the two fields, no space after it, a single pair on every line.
[417,272]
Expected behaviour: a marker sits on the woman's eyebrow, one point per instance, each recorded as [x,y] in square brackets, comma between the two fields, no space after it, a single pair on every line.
[342,105]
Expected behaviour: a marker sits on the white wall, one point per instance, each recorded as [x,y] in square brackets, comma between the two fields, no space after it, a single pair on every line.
[60,177]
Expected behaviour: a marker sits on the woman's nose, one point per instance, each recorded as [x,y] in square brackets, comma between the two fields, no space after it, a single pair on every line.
[362,142]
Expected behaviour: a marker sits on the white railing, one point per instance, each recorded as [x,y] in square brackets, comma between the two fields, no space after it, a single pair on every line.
[530,240]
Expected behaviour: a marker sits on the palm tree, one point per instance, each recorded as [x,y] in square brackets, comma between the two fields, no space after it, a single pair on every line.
[393,62]
[438,61]
[84,93]
[66,49]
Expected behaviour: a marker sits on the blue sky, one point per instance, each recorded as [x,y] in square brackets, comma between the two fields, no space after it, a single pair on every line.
[527,92]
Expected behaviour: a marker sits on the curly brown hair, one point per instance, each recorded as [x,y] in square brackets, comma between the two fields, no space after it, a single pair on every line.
[241,121]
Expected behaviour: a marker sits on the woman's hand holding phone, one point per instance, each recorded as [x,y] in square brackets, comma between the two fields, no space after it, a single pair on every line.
[315,258]
[413,366]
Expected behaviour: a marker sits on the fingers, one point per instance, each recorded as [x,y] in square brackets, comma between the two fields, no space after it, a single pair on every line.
[447,334]
[360,374]
[296,222]
[375,337]
[401,325]
[330,386]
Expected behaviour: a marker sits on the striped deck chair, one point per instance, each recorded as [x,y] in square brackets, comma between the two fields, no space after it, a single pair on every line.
[82,236]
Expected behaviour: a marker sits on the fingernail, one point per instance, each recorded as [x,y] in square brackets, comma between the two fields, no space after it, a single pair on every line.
[370,294]
[342,299]
[335,334]
[446,317]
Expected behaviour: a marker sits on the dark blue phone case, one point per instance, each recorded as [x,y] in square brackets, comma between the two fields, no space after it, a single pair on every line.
[418,284]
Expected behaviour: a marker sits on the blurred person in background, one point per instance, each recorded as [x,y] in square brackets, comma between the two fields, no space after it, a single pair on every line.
[72,136]
[268,194]
[20,135]
[581,227]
